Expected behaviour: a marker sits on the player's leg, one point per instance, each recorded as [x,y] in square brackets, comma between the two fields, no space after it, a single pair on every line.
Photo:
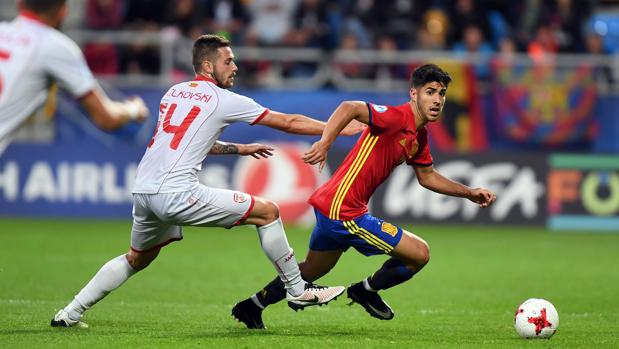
[409,254]
[408,257]
[206,206]
[111,276]
[319,263]
[325,250]
[265,215]
[316,264]
[148,235]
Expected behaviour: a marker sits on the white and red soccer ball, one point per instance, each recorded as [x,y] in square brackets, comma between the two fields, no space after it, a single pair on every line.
[536,318]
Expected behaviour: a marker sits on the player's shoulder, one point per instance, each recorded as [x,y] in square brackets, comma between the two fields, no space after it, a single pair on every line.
[227,96]
[55,42]
[383,108]
[228,93]
[388,110]
[378,108]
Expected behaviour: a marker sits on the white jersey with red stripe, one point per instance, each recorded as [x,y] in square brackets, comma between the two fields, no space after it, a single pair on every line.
[32,55]
[192,116]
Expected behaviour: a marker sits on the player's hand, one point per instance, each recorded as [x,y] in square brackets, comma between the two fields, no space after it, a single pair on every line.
[317,154]
[353,127]
[138,110]
[256,150]
[483,197]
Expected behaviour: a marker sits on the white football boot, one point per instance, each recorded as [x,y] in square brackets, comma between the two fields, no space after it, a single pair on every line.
[314,295]
[62,319]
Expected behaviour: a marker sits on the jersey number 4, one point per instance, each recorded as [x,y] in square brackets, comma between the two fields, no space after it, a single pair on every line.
[177,130]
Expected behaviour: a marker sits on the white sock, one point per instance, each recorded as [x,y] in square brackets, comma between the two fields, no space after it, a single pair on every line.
[111,275]
[367,286]
[276,247]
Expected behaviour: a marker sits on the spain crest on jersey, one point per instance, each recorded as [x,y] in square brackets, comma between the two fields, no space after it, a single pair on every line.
[389,228]
[410,147]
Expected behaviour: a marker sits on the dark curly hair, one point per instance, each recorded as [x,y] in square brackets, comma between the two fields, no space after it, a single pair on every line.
[429,73]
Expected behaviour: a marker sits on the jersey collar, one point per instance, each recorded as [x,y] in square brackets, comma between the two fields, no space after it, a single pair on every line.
[205,78]
[31,16]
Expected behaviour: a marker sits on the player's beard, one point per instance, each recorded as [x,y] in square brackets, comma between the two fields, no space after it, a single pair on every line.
[223,81]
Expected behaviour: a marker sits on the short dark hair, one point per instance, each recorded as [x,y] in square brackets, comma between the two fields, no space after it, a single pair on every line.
[205,48]
[429,73]
[43,6]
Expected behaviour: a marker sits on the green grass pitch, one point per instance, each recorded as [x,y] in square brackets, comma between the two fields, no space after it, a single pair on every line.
[464,298]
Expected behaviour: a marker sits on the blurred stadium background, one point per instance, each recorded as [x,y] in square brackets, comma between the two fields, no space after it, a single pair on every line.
[532,111]
[532,114]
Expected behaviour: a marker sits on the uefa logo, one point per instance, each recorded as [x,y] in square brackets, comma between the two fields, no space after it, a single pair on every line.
[283,178]
[379,108]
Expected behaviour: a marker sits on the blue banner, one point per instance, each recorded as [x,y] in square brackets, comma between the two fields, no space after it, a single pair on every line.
[64,181]
[96,181]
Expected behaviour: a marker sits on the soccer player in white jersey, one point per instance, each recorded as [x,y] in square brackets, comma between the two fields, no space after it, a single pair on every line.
[167,194]
[34,55]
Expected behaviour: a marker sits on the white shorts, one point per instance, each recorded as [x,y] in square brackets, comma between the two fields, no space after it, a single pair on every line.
[157,218]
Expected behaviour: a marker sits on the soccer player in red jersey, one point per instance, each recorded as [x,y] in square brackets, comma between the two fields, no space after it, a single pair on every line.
[396,135]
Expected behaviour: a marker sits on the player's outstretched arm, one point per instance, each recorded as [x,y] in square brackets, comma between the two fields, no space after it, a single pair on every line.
[256,150]
[429,178]
[301,124]
[109,115]
[347,113]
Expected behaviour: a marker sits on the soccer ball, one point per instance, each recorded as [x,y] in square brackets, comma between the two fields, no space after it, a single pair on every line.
[536,318]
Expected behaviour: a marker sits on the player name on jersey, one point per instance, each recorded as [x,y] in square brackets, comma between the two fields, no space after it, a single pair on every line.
[15,38]
[196,96]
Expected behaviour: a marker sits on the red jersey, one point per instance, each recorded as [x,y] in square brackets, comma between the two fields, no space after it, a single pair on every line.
[390,140]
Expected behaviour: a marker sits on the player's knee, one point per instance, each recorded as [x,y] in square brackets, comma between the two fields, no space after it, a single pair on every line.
[141,260]
[416,253]
[419,258]
[271,212]
[424,254]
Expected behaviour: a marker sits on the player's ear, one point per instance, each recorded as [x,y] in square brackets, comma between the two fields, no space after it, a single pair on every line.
[207,67]
[412,94]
